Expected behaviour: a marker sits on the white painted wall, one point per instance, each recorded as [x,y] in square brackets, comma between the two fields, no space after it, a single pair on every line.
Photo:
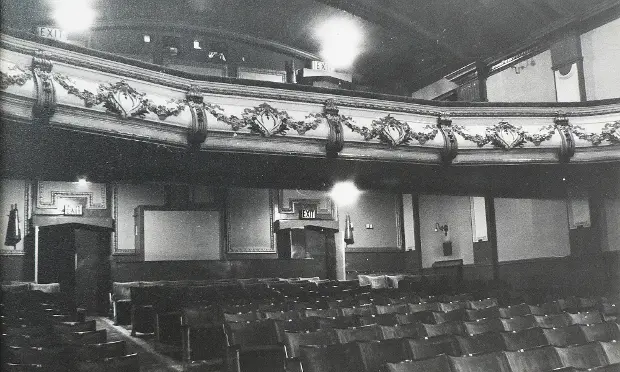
[532,84]
[454,211]
[531,228]
[601,56]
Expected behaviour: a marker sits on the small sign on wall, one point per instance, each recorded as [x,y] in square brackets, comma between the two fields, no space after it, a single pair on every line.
[52,33]
[73,210]
[307,213]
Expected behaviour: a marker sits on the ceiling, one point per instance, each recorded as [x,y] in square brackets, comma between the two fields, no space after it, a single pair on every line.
[407,43]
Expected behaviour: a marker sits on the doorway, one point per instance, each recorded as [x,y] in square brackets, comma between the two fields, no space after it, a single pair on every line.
[77,257]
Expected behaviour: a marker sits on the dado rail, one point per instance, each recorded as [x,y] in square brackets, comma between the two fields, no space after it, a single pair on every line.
[48,83]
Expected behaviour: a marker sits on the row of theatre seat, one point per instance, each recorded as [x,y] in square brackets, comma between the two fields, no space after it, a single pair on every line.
[43,331]
[271,328]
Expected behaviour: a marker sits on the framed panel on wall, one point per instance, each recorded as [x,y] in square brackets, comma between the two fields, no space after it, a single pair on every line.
[15,214]
[249,221]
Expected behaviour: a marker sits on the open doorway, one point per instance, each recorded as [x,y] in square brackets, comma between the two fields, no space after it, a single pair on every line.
[77,257]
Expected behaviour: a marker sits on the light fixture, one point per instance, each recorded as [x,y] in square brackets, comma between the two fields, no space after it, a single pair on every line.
[147,38]
[443,228]
[82,181]
[197,44]
[348,230]
[13,231]
[341,40]
[344,193]
[73,15]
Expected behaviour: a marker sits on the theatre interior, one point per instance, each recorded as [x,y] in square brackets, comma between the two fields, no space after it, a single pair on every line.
[310,185]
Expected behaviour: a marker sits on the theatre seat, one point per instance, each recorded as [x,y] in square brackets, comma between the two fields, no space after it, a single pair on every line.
[553,320]
[601,332]
[546,308]
[541,359]
[525,339]
[514,310]
[481,343]
[490,362]
[457,315]
[612,351]
[488,312]
[328,358]
[424,306]
[481,304]
[483,325]
[583,356]
[322,313]
[293,340]
[389,309]
[401,331]
[587,317]
[436,364]
[374,354]
[363,333]
[433,346]
[564,336]
[418,317]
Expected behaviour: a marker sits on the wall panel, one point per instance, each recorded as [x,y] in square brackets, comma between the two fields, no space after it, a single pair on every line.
[601,53]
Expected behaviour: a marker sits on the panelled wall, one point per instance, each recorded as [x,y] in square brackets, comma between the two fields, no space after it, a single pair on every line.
[532,235]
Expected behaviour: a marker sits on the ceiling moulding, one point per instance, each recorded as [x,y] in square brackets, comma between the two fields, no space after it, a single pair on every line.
[274,120]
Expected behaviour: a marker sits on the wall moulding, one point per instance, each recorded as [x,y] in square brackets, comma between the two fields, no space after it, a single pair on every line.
[109,95]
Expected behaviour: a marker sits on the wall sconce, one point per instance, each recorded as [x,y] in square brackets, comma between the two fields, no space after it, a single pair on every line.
[348,230]
[443,228]
[13,232]
[523,65]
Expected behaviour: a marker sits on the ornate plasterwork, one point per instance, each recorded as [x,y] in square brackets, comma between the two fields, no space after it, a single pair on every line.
[610,133]
[506,136]
[48,192]
[15,76]
[392,131]
[45,104]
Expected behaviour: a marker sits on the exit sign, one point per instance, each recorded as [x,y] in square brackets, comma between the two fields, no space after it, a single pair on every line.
[73,210]
[307,213]
[52,33]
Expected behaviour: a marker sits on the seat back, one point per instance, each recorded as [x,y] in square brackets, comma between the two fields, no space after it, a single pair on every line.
[424,306]
[381,319]
[552,307]
[600,332]
[533,360]
[260,332]
[583,356]
[328,358]
[612,351]
[390,309]
[374,354]
[489,362]
[322,313]
[448,328]
[483,325]
[87,337]
[514,310]
[519,323]
[337,322]
[359,310]
[564,336]
[481,343]
[432,346]
[525,339]
[293,340]
[363,333]
[457,315]
[401,331]
[241,317]
[488,312]
[482,304]
[553,320]
[418,317]
[586,317]
[453,305]
[436,364]
[64,327]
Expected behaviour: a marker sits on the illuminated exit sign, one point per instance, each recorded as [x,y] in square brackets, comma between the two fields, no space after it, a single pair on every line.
[307,213]
[73,210]
[52,33]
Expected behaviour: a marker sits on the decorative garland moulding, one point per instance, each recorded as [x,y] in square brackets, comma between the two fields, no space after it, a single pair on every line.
[155,107]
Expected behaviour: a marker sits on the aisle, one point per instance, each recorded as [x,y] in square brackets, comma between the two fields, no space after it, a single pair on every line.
[150,361]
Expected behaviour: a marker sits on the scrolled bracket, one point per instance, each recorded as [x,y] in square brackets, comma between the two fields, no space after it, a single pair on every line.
[197,131]
[335,137]
[567,146]
[45,103]
[450,144]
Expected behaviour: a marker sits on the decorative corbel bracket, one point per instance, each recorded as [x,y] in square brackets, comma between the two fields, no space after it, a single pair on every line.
[450,144]
[45,104]
[335,137]
[197,132]
[567,146]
